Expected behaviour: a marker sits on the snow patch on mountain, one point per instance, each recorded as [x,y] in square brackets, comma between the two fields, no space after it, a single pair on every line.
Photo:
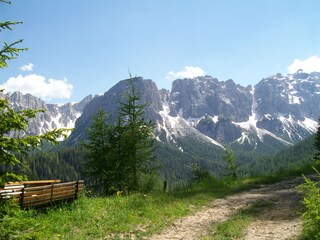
[309,124]
[251,124]
[214,142]
[175,127]
[55,116]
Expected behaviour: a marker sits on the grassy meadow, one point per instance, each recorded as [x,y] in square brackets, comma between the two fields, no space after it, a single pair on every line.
[125,217]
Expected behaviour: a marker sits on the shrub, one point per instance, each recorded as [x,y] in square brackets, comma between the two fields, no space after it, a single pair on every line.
[311,201]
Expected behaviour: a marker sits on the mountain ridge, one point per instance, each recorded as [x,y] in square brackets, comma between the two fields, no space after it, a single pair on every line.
[55,115]
[279,110]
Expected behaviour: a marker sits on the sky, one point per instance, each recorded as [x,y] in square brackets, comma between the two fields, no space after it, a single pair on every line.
[82,47]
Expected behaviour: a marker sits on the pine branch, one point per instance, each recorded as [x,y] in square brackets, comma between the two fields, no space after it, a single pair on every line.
[5,1]
[7,25]
[9,52]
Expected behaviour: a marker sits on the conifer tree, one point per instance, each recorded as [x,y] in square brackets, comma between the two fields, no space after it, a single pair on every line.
[138,144]
[9,51]
[317,142]
[16,122]
[120,155]
[98,165]
[232,164]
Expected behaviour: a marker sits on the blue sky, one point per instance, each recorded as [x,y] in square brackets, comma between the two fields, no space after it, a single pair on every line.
[81,47]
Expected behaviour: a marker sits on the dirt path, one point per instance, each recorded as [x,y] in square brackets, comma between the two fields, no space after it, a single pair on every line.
[280,221]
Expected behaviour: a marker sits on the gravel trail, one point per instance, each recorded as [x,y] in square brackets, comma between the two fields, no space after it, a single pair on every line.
[279,221]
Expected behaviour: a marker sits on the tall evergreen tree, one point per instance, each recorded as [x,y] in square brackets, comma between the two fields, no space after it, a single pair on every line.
[232,164]
[137,138]
[16,122]
[317,142]
[98,166]
[120,155]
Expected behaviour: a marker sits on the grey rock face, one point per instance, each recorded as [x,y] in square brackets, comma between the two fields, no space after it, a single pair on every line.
[55,115]
[110,103]
[206,95]
[284,108]
[296,95]
[286,105]
[224,131]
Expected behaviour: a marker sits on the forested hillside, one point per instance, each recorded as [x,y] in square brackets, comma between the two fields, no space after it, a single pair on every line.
[65,162]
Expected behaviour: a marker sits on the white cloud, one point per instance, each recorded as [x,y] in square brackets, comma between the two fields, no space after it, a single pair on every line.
[27,67]
[188,72]
[311,64]
[38,86]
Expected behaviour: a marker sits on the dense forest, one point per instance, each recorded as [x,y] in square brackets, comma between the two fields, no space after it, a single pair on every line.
[66,162]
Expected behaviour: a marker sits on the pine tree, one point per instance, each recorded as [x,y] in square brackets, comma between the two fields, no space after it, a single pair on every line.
[317,142]
[232,164]
[16,122]
[138,144]
[9,51]
[120,155]
[98,166]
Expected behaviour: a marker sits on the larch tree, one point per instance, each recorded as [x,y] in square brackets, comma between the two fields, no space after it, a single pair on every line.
[138,142]
[120,155]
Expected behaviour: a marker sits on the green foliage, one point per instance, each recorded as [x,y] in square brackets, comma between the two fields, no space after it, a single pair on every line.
[317,138]
[232,228]
[99,166]
[121,156]
[132,216]
[292,158]
[232,164]
[9,51]
[317,143]
[137,140]
[16,122]
[201,173]
[55,163]
[311,201]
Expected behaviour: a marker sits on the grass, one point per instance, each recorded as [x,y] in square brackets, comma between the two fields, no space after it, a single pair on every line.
[123,217]
[235,226]
[137,214]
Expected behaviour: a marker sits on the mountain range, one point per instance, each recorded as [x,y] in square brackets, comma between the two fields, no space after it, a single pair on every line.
[277,112]
[279,109]
[55,115]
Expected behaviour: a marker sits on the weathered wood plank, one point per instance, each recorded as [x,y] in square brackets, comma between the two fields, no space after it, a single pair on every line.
[36,182]
[48,199]
[47,190]
[14,187]
[41,195]
[46,202]
[57,193]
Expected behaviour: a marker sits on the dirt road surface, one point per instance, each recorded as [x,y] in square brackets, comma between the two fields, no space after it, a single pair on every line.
[280,221]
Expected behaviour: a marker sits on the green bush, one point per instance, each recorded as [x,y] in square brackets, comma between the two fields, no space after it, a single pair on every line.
[311,201]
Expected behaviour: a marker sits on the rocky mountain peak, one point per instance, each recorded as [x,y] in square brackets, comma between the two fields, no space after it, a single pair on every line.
[196,97]
[110,103]
[55,115]
[284,108]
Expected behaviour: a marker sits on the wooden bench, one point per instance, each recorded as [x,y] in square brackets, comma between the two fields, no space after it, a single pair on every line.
[39,195]
[33,183]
